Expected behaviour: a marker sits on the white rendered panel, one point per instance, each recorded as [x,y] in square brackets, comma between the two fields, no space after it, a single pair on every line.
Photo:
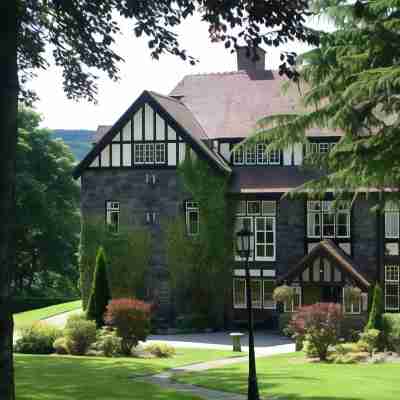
[240,272]
[117,138]
[298,154]
[160,128]
[105,157]
[255,272]
[127,154]
[116,155]
[95,162]
[182,152]
[287,155]
[171,153]
[171,134]
[149,123]
[269,273]
[137,124]
[126,132]
[224,150]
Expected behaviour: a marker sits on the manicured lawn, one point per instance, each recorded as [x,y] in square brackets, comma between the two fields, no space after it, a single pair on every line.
[28,317]
[289,377]
[86,378]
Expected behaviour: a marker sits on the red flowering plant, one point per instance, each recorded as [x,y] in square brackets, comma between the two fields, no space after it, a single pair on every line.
[131,319]
[319,324]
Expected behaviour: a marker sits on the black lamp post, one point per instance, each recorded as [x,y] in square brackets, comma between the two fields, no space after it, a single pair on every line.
[243,244]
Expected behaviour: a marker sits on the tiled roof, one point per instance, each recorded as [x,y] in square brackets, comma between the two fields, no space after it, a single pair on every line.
[229,104]
[271,179]
[184,117]
[342,261]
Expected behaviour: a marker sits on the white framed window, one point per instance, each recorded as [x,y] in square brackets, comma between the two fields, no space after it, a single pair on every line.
[241,209]
[323,147]
[351,307]
[192,218]
[253,207]
[139,153]
[265,238]
[392,287]
[294,304]
[238,157]
[262,155]
[268,207]
[159,153]
[325,221]
[392,219]
[251,155]
[268,290]
[112,216]
[274,157]
[149,153]
[256,293]
[239,293]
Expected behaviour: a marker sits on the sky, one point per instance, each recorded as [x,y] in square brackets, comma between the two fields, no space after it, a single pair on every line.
[139,72]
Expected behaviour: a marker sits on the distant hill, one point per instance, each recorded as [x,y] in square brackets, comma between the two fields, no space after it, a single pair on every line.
[79,140]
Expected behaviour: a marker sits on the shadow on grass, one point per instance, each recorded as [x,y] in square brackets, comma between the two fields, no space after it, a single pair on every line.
[71,378]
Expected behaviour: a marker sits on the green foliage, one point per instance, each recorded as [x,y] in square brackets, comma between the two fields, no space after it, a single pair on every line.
[200,266]
[100,295]
[60,345]
[80,334]
[37,339]
[391,330]
[309,348]
[128,253]
[351,82]
[377,309]
[131,318]
[47,197]
[283,294]
[160,350]
[108,343]
[371,338]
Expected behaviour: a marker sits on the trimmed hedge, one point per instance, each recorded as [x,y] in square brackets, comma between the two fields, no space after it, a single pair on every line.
[391,330]
[21,304]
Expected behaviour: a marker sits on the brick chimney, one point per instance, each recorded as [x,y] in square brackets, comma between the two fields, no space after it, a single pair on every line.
[246,59]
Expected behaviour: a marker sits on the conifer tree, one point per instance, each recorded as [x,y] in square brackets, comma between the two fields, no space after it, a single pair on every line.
[100,295]
[375,314]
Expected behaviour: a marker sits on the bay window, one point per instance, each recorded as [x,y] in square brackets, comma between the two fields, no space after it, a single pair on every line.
[268,290]
[261,293]
[294,304]
[392,216]
[239,293]
[351,306]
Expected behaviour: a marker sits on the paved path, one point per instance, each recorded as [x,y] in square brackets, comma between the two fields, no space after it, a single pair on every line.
[60,320]
[266,345]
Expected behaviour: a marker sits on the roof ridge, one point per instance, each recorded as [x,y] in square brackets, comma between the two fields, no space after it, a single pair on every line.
[237,72]
[164,96]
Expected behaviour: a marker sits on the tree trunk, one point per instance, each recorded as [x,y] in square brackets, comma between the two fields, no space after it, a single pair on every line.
[8,140]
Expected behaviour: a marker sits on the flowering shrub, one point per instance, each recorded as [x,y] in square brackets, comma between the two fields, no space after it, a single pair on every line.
[320,324]
[283,294]
[131,318]
[160,350]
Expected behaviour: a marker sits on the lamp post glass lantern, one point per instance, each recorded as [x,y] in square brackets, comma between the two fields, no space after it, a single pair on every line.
[243,246]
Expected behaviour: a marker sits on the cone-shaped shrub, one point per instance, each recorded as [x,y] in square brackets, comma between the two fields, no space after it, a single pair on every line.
[375,315]
[100,295]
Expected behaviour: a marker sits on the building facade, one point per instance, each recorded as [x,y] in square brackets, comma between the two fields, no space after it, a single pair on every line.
[321,248]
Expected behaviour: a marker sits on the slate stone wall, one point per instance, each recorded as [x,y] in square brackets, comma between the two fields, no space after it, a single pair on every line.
[166,198]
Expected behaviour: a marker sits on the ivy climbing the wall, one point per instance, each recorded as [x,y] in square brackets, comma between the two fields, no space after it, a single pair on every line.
[201,265]
[128,254]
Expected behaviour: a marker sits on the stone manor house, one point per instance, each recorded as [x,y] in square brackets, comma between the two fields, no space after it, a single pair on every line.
[130,176]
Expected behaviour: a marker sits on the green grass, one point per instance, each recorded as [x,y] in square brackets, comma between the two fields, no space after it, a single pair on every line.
[290,377]
[87,378]
[28,317]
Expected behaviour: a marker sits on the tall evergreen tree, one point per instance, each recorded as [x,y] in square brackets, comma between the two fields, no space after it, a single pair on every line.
[351,82]
[100,295]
